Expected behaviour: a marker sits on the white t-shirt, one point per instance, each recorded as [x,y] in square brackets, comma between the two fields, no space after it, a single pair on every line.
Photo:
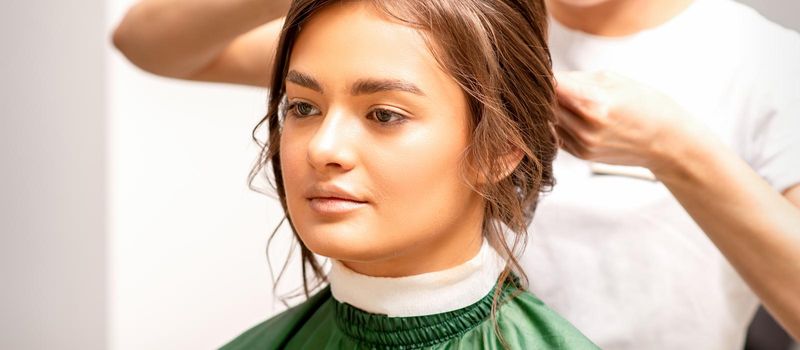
[617,255]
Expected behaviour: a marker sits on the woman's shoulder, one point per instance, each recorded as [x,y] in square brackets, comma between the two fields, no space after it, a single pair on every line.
[528,323]
[274,332]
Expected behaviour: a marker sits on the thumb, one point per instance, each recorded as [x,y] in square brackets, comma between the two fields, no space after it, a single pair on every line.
[577,92]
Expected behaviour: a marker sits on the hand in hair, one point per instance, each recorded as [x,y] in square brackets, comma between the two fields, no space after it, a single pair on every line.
[607,118]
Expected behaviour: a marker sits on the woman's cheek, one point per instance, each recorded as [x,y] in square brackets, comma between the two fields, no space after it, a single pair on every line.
[292,159]
[409,178]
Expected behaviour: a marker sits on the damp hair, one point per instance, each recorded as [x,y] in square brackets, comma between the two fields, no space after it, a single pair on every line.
[496,50]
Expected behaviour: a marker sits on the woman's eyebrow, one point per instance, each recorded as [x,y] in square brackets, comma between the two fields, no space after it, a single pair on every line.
[371,86]
[360,87]
[304,80]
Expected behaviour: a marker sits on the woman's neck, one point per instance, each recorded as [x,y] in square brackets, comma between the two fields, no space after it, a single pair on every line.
[616,17]
[429,257]
[423,294]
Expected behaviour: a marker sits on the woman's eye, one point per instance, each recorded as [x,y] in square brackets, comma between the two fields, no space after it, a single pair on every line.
[384,116]
[303,109]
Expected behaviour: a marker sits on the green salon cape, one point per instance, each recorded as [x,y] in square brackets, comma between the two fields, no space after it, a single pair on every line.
[322,322]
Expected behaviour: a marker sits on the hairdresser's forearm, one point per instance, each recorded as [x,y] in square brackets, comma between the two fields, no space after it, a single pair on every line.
[177,38]
[755,227]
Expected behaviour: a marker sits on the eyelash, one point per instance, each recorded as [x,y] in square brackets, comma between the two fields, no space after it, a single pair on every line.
[291,109]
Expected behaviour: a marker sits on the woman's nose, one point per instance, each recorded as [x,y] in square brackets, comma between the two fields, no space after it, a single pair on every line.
[332,146]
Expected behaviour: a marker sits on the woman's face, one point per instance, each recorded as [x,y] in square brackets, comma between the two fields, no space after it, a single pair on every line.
[372,118]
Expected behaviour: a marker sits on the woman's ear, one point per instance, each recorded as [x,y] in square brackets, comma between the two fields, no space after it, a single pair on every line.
[507,163]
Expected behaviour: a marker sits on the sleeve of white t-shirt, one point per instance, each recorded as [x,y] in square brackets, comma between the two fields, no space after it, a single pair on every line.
[775,132]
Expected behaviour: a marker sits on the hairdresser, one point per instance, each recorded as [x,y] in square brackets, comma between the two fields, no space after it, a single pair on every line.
[677,208]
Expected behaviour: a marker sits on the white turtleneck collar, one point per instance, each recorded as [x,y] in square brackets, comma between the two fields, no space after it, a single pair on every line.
[419,295]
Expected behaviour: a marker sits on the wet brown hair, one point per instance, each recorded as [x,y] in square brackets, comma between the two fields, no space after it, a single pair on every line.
[496,50]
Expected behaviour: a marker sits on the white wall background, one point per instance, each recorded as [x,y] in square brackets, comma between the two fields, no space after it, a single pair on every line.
[52,155]
[186,235]
[125,219]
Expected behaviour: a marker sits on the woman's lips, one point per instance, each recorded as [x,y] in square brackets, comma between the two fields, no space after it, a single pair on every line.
[332,206]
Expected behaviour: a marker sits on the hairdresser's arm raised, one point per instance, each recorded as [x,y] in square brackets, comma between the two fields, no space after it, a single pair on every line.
[229,41]
[607,118]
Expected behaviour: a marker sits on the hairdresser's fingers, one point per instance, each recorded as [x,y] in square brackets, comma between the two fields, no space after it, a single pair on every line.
[582,94]
[567,118]
[579,130]
[569,144]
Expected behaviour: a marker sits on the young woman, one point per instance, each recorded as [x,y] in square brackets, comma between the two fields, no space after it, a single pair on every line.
[405,137]
[712,197]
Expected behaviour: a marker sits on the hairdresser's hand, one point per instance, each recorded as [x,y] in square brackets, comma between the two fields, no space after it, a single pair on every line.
[607,118]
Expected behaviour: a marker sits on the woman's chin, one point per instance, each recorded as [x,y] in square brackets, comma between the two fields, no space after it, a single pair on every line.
[352,250]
